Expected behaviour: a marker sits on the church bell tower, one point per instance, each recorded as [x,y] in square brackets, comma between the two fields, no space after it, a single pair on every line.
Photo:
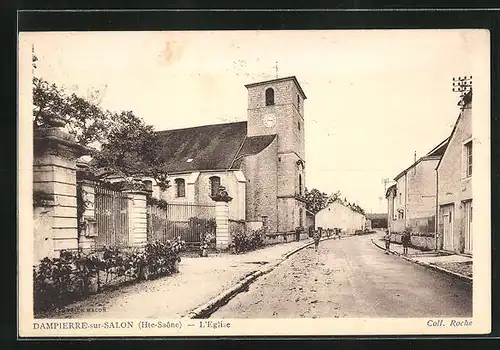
[276,107]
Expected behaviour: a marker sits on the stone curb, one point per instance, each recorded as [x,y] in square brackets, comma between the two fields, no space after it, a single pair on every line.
[211,306]
[429,265]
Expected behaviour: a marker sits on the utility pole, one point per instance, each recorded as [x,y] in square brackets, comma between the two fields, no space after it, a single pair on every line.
[414,161]
[385,181]
[33,59]
[462,85]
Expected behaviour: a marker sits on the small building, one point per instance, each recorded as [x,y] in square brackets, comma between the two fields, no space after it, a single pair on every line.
[411,200]
[340,216]
[454,185]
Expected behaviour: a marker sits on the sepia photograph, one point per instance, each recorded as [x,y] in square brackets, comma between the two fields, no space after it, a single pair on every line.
[269,182]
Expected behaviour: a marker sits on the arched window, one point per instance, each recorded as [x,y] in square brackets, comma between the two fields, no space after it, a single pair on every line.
[180,186]
[298,103]
[214,185]
[269,97]
[300,184]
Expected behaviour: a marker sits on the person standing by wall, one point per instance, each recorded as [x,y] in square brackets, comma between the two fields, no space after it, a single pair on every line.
[405,240]
[387,239]
[317,237]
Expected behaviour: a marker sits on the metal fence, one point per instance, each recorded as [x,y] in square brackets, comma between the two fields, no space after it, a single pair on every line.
[111,210]
[189,221]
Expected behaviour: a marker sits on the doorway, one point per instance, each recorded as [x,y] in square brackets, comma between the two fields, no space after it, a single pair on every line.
[447,214]
[467,217]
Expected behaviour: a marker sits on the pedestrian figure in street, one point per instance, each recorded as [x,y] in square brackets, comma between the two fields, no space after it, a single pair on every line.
[405,240]
[316,237]
[387,238]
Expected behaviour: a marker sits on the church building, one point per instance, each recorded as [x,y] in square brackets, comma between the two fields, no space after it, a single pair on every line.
[260,162]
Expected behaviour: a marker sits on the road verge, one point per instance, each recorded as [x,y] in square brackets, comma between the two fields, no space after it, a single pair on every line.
[428,265]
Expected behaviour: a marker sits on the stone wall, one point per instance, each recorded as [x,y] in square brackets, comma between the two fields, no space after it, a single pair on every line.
[284,238]
[420,242]
[235,227]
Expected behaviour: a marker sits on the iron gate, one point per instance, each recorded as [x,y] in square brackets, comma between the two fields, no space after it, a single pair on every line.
[188,221]
[111,210]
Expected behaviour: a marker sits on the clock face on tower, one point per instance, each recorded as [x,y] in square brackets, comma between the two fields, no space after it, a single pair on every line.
[269,120]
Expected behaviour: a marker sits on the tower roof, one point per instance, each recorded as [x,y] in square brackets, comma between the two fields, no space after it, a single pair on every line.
[280,80]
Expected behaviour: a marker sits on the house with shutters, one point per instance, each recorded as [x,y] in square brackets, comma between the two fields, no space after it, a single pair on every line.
[454,184]
[260,161]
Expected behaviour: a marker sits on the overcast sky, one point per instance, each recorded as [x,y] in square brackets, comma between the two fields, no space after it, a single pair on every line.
[374,97]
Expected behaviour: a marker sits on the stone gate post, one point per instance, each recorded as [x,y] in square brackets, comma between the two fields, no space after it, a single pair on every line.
[137,217]
[54,189]
[222,200]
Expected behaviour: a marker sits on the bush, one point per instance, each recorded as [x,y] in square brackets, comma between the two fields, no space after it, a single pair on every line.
[59,281]
[243,242]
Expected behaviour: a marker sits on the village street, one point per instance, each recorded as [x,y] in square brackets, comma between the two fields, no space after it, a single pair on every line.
[350,278]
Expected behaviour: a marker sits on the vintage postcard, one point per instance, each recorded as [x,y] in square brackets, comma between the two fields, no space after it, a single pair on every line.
[236,183]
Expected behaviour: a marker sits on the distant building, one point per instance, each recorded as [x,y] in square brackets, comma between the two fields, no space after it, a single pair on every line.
[412,199]
[378,220]
[454,184]
[338,215]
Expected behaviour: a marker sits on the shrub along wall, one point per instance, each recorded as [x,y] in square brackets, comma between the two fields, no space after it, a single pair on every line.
[242,241]
[75,275]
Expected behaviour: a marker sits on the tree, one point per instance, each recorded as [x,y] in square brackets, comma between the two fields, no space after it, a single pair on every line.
[127,145]
[132,148]
[85,120]
[317,200]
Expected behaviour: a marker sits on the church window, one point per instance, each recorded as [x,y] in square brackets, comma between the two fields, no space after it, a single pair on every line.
[298,102]
[180,186]
[300,184]
[298,124]
[269,97]
[214,185]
